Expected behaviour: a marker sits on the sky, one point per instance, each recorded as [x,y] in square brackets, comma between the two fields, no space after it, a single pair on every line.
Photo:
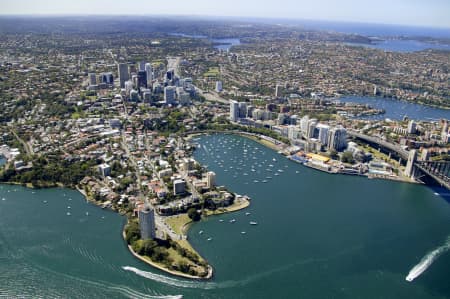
[429,13]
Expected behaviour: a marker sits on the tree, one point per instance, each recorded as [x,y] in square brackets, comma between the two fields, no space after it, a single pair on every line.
[347,157]
[193,214]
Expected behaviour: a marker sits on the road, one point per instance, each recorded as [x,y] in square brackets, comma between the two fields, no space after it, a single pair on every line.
[26,146]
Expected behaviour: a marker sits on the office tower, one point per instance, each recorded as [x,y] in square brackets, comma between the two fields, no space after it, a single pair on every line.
[234,110]
[218,86]
[170,75]
[337,138]
[141,66]
[92,79]
[278,91]
[142,79]
[147,223]
[149,72]
[169,95]
[210,179]
[128,87]
[107,78]
[124,76]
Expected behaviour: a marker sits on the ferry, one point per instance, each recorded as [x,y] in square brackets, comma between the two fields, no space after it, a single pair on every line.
[253,223]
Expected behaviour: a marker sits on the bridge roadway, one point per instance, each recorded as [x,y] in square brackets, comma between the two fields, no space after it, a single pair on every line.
[388,145]
[442,178]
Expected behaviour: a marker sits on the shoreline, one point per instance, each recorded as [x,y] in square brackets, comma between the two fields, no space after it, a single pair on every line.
[162,268]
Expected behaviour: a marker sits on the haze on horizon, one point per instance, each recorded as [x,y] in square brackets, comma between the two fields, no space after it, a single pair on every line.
[431,13]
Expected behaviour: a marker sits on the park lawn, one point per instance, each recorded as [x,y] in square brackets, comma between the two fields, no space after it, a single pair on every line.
[178,222]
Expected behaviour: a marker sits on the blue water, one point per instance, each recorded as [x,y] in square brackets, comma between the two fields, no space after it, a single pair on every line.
[226,43]
[396,109]
[405,46]
[379,30]
[318,236]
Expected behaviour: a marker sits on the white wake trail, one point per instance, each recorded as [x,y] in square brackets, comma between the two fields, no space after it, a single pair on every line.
[427,260]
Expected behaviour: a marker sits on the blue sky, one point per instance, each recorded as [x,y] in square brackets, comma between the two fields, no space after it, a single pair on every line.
[433,13]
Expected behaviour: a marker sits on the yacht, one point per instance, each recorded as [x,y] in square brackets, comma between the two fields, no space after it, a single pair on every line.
[233,220]
[253,223]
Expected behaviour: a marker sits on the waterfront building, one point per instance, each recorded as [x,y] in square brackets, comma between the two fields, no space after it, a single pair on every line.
[412,127]
[337,138]
[323,133]
[304,124]
[312,123]
[210,179]
[218,86]
[179,187]
[169,95]
[147,223]
[92,79]
[124,76]
[104,169]
[242,109]
[444,133]
[234,110]
[149,72]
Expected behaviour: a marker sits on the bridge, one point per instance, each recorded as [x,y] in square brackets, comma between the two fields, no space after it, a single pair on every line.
[439,171]
[402,153]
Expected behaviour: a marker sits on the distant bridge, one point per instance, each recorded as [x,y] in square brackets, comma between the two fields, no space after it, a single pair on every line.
[439,171]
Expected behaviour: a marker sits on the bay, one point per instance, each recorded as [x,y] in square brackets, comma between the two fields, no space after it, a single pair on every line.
[318,236]
[397,109]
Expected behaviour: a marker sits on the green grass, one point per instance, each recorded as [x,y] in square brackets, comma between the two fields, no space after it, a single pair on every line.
[177,222]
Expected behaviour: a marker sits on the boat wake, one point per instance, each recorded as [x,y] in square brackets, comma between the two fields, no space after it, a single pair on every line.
[427,260]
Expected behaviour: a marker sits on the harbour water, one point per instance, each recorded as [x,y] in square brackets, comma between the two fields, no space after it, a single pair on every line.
[396,109]
[222,43]
[405,46]
[317,236]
